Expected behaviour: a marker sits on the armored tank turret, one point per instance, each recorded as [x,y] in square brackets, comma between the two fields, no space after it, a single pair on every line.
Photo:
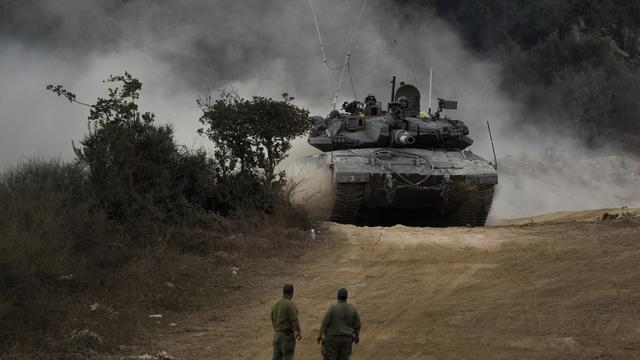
[403,165]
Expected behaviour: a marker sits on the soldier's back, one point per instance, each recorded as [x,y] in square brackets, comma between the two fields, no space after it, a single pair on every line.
[342,319]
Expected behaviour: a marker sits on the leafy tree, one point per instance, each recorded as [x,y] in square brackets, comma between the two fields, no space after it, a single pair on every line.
[251,136]
[136,169]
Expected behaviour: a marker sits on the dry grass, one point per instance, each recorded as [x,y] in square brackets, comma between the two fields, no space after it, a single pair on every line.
[65,267]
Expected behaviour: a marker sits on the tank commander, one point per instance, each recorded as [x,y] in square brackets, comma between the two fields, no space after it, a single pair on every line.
[370,100]
[400,107]
[404,102]
[372,107]
[340,329]
[286,327]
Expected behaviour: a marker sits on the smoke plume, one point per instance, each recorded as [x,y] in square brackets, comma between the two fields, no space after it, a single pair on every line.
[181,50]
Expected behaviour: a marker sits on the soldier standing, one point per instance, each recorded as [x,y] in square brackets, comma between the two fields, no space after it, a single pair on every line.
[340,328]
[284,318]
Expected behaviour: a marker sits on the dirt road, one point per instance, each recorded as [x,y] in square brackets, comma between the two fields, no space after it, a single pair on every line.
[568,287]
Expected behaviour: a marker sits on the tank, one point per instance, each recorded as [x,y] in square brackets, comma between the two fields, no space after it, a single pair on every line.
[402,165]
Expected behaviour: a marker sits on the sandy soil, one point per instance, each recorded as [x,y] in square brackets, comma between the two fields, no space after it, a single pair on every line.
[565,286]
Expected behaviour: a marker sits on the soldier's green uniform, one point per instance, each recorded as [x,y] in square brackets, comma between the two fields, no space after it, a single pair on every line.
[283,314]
[341,325]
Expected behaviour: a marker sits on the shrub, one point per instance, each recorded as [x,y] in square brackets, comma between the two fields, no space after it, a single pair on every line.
[137,171]
[46,215]
[251,137]
[116,223]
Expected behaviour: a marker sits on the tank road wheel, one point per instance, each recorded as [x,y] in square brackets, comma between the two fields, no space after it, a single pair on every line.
[474,208]
[348,201]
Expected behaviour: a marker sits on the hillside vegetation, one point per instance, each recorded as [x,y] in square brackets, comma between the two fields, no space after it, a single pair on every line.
[136,223]
[573,63]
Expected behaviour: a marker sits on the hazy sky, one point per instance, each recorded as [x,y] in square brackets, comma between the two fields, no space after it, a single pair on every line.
[180,50]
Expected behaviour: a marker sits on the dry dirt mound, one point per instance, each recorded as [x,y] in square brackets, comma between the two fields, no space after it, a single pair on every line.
[566,216]
[564,289]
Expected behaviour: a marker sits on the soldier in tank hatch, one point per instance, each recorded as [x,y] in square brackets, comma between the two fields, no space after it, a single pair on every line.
[371,106]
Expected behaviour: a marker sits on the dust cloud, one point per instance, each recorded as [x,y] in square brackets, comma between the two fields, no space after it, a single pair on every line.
[311,183]
[569,179]
[181,50]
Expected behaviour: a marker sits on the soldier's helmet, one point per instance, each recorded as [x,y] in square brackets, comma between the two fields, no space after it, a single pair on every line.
[404,102]
[370,100]
[334,114]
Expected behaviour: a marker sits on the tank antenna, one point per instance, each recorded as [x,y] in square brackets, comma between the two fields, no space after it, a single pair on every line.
[333,99]
[347,58]
[393,89]
[324,58]
[406,59]
[430,81]
[495,160]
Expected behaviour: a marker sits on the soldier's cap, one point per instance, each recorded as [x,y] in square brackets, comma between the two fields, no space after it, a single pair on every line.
[342,294]
[287,289]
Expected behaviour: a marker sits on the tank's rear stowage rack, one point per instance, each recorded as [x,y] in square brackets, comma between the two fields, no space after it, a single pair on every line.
[405,163]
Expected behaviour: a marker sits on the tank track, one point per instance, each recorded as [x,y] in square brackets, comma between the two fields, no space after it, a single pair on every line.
[347,204]
[474,208]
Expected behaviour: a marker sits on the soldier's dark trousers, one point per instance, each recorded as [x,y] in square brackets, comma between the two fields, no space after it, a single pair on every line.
[336,347]
[284,345]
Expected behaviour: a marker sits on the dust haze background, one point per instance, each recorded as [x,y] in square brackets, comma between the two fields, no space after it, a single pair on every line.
[181,50]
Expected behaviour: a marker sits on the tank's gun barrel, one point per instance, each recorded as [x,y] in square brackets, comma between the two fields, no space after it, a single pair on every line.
[402,137]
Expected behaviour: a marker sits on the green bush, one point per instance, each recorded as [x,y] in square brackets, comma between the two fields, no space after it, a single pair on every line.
[251,137]
[131,203]
[136,169]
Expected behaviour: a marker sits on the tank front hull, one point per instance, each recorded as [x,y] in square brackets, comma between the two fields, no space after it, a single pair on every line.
[453,186]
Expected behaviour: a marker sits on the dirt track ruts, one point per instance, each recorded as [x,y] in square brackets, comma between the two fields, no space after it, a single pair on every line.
[559,289]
